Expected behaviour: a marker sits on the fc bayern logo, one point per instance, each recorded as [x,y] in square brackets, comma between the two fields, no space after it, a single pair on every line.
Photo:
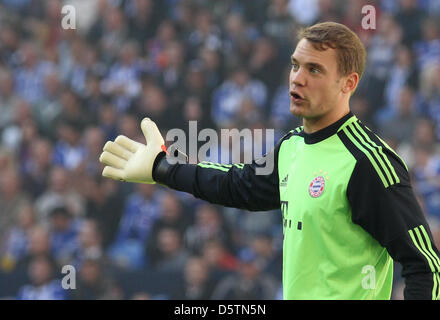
[316,187]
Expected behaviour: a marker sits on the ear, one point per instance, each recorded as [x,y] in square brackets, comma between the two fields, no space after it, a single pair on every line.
[350,83]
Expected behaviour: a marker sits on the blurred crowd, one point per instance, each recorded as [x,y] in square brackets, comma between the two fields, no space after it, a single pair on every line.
[225,64]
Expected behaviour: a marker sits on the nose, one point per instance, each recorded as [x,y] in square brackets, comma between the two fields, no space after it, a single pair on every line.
[298,77]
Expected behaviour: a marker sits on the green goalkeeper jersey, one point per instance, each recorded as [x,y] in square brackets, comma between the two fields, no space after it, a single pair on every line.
[348,210]
[326,255]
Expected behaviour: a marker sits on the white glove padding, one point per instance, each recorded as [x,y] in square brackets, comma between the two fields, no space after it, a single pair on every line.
[129,160]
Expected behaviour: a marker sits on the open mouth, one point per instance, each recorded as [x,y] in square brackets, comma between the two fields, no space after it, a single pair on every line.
[296,96]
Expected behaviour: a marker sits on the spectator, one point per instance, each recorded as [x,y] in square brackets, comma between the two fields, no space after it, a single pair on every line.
[29,132]
[265,64]
[10,43]
[12,198]
[59,193]
[329,10]
[426,173]
[268,258]
[248,283]
[141,210]
[197,282]
[220,261]
[13,135]
[105,204]
[94,283]
[227,98]
[143,18]
[93,142]
[15,242]
[72,111]
[29,79]
[68,152]
[172,255]
[430,91]
[184,15]
[195,110]
[359,105]
[209,224]
[94,99]
[107,118]
[205,32]
[75,75]
[39,242]
[403,73]
[90,244]
[155,47]
[402,125]
[63,235]
[381,53]
[195,82]
[43,285]
[36,173]
[428,49]
[172,216]
[280,25]
[122,82]
[39,245]
[212,62]
[237,39]
[7,99]
[49,108]
[172,74]
[423,136]
[410,18]
[110,31]
[155,104]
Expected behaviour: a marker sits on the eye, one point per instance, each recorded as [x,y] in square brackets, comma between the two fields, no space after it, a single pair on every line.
[294,65]
[314,70]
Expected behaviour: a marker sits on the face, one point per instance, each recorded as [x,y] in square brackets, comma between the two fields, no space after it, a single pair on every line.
[90,271]
[316,88]
[196,271]
[40,271]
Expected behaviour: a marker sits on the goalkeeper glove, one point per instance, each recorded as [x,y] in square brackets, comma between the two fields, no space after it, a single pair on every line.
[131,161]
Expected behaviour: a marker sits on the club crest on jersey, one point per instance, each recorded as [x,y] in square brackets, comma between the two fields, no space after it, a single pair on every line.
[316,187]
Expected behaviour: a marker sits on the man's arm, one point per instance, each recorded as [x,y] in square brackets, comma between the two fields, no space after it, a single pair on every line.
[235,186]
[392,215]
[238,185]
[244,186]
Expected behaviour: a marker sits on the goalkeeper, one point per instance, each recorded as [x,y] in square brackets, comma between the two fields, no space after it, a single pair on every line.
[346,199]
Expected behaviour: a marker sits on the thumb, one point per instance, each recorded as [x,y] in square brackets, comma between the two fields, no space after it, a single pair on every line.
[151,132]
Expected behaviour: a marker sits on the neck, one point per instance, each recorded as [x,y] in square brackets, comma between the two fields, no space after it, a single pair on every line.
[312,125]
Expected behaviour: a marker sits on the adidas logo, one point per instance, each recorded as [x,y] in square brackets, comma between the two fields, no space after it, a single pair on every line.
[283,182]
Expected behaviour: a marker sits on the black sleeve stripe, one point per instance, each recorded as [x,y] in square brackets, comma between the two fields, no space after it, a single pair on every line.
[378,141]
[362,143]
[379,151]
[356,152]
[371,154]
[422,242]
